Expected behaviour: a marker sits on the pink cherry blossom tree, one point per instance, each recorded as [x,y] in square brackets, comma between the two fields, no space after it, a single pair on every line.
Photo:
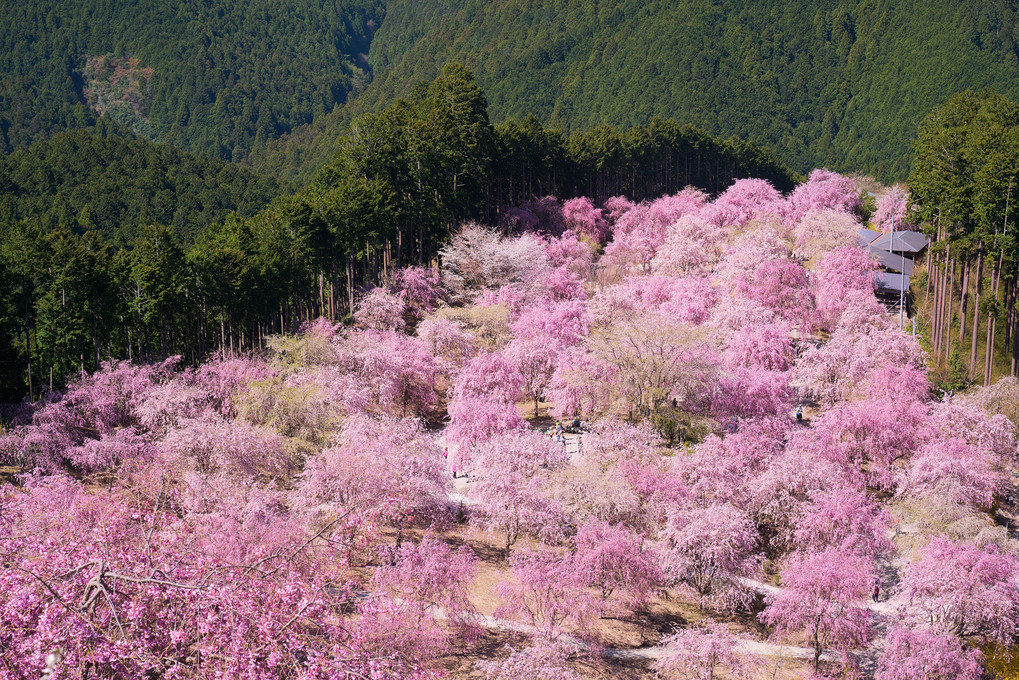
[951,470]
[639,232]
[619,477]
[891,210]
[545,593]
[397,371]
[478,258]
[702,653]
[745,200]
[819,232]
[571,253]
[448,341]
[419,287]
[819,593]
[692,245]
[615,561]
[536,360]
[783,286]
[482,401]
[709,550]
[962,590]
[845,518]
[117,585]
[581,384]
[510,488]
[924,655]
[841,274]
[549,213]
[789,481]
[823,190]
[431,580]
[655,360]
[381,310]
[581,217]
[386,470]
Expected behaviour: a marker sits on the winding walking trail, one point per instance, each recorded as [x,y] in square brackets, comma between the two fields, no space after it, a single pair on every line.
[882,611]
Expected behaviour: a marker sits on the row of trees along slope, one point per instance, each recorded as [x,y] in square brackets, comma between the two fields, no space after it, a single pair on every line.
[964,186]
[400,181]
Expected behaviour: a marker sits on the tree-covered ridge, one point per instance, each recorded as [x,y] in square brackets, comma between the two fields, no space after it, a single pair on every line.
[113,183]
[838,84]
[224,75]
[822,83]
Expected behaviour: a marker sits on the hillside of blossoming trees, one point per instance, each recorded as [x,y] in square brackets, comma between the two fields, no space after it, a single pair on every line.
[676,439]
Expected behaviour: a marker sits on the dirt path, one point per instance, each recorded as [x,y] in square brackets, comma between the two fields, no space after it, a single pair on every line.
[882,610]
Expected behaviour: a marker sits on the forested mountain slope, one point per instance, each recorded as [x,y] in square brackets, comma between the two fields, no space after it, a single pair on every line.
[839,84]
[205,76]
[114,183]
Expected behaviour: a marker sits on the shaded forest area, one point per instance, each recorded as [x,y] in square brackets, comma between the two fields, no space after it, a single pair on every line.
[214,78]
[400,182]
[964,185]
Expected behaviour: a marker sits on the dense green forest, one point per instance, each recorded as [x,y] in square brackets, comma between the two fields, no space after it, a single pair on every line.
[965,185]
[108,181]
[112,247]
[215,77]
[820,82]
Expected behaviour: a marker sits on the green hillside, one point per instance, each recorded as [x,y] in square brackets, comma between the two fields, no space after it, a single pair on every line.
[116,184]
[839,84]
[209,76]
[820,82]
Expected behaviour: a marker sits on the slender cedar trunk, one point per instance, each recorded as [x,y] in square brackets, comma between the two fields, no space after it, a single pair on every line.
[927,268]
[28,353]
[948,310]
[333,281]
[321,294]
[1015,331]
[992,323]
[1013,325]
[350,285]
[1009,316]
[936,309]
[976,310]
[962,301]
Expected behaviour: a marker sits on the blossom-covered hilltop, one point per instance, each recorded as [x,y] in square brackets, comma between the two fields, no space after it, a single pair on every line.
[676,439]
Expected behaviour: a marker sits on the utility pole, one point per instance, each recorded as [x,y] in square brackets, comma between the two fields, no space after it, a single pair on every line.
[902,275]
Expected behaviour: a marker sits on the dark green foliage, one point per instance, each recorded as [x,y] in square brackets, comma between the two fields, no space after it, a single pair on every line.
[224,75]
[820,82]
[114,184]
[965,176]
[965,190]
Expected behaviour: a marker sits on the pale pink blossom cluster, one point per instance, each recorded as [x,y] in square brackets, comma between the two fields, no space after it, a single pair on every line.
[291,514]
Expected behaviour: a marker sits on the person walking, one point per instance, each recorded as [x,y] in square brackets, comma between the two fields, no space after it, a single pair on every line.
[877,591]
